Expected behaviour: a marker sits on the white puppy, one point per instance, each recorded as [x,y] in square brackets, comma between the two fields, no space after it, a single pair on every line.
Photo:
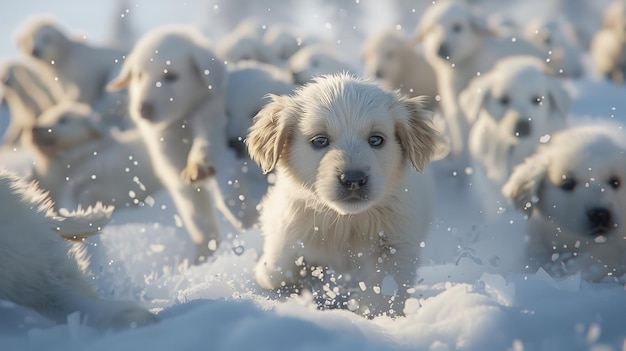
[42,271]
[389,57]
[345,199]
[316,60]
[511,108]
[245,42]
[573,191]
[608,45]
[459,45]
[249,83]
[82,70]
[80,162]
[27,96]
[177,90]
[558,39]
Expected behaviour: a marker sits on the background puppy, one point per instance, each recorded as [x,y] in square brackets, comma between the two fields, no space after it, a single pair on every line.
[459,45]
[388,56]
[345,198]
[177,96]
[81,162]
[83,70]
[558,39]
[42,271]
[316,60]
[27,96]
[248,86]
[572,189]
[511,108]
[608,45]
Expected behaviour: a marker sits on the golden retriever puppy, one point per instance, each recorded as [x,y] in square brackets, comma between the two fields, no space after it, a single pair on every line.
[27,95]
[81,162]
[177,89]
[459,45]
[42,271]
[608,45]
[346,205]
[572,190]
[389,56]
[82,70]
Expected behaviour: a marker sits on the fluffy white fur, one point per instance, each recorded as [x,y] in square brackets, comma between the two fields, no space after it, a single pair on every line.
[42,271]
[352,207]
[558,39]
[81,162]
[388,56]
[459,45]
[83,70]
[573,191]
[177,90]
[316,60]
[608,45]
[282,41]
[27,96]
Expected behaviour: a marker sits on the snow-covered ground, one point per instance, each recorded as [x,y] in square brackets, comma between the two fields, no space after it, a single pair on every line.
[466,297]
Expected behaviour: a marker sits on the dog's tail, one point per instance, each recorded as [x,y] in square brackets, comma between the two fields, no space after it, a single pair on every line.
[81,223]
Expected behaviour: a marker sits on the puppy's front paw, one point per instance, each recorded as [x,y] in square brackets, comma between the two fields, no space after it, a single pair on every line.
[195,171]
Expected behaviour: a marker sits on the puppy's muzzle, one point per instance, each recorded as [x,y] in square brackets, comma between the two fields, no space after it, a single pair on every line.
[600,218]
[443,52]
[42,136]
[36,53]
[522,128]
[353,179]
[146,110]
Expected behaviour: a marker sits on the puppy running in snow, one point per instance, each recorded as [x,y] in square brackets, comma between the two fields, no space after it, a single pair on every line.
[345,199]
[42,271]
[177,96]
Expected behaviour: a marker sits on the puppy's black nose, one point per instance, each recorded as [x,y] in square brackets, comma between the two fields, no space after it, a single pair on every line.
[379,73]
[600,217]
[146,110]
[522,128]
[353,180]
[443,51]
[36,53]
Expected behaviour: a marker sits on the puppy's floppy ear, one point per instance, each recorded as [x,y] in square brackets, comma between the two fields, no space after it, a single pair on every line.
[122,80]
[560,100]
[414,130]
[523,185]
[211,68]
[269,132]
[472,98]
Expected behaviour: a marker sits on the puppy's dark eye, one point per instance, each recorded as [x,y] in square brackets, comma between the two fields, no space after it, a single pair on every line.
[63,120]
[536,100]
[505,100]
[170,76]
[457,27]
[568,184]
[615,182]
[376,141]
[319,142]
